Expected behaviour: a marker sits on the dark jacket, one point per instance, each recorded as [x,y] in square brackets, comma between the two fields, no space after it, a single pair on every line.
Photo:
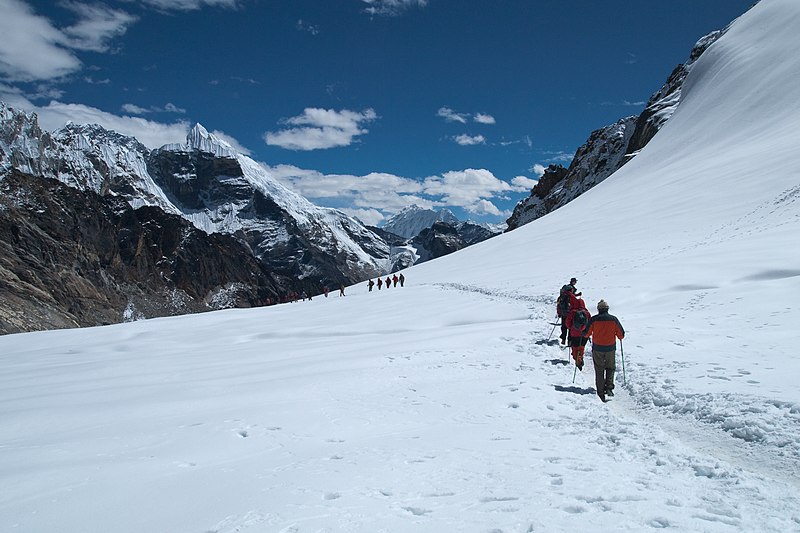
[605,329]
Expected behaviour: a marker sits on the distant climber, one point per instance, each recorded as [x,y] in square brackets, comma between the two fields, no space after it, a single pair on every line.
[402,279]
[395,279]
[371,284]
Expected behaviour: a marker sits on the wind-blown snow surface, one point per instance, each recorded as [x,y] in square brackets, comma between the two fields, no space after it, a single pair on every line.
[432,407]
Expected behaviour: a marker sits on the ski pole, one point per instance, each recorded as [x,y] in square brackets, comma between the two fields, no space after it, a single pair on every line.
[552,331]
[574,372]
[622,352]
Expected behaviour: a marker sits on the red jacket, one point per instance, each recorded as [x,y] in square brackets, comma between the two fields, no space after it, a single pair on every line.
[574,329]
[605,329]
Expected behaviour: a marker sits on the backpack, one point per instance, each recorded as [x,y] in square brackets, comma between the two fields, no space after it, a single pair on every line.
[580,321]
[563,300]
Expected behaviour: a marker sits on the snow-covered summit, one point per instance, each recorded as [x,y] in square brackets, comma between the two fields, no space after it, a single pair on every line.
[201,140]
[410,220]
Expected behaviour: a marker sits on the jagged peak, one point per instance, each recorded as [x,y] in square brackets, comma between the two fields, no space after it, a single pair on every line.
[201,140]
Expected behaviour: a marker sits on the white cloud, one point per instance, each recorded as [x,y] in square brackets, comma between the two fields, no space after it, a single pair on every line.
[235,144]
[538,169]
[320,129]
[190,5]
[523,183]
[152,134]
[134,109]
[371,217]
[465,188]
[31,48]
[391,7]
[485,207]
[137,110]
[96,26]
[374,196]
[483,118]
[468,140]
[451,116]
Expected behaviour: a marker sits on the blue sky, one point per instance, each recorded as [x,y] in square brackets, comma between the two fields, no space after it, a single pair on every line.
[363,105]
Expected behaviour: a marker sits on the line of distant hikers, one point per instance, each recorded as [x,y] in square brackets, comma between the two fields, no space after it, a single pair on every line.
[391,281]
[577,326]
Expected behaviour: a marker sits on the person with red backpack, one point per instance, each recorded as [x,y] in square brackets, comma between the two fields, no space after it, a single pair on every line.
[577,322]
[564,303]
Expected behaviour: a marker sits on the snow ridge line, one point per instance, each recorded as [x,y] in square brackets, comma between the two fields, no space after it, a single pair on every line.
[508,295]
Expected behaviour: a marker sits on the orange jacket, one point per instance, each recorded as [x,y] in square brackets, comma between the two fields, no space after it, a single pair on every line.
[605,329]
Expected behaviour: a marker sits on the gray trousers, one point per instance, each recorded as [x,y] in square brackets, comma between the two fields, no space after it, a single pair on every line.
[604,365]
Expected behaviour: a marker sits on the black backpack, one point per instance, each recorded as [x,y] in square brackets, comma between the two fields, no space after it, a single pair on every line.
[580,320]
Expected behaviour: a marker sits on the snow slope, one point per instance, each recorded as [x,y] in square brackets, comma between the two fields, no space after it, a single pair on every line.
[438,406]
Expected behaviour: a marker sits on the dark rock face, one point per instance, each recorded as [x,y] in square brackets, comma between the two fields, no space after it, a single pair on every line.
[438,240]
[73,258]
[608,148]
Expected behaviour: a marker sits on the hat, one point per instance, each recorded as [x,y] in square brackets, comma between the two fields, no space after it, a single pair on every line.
[572,280]
[602,304]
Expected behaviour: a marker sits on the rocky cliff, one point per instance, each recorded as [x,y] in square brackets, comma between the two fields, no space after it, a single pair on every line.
[607,148]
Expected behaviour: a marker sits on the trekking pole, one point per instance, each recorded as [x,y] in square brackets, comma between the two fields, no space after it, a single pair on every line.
[574,372]
[553,330]
[622,353]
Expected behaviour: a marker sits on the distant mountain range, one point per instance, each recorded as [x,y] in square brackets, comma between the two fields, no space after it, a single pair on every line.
[212,229]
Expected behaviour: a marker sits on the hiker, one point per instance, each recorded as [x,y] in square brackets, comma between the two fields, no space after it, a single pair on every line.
[566,297]
[371,284]
[388,282]
[341,291]
[395,279]
[604,329]
[402,279]
[577,322]
[325,290]
[380,283]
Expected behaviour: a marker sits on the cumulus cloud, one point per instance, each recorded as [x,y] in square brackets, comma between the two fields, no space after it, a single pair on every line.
[538,169]
[483,118]
[469,140]
[376,195]
[523,183]
[56,114]
[319,129]
[466,188]
[391,7]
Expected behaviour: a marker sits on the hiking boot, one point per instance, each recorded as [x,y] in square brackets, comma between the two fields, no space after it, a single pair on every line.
[602,397]
[609,392]
[580,367]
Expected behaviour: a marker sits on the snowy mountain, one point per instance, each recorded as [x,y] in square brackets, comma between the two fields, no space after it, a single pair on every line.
[440,406]
[608,148]
[411,220]
[208,183]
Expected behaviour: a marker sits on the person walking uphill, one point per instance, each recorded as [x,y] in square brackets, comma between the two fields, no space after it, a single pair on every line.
[566,299]
[577,322]
[604,329]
